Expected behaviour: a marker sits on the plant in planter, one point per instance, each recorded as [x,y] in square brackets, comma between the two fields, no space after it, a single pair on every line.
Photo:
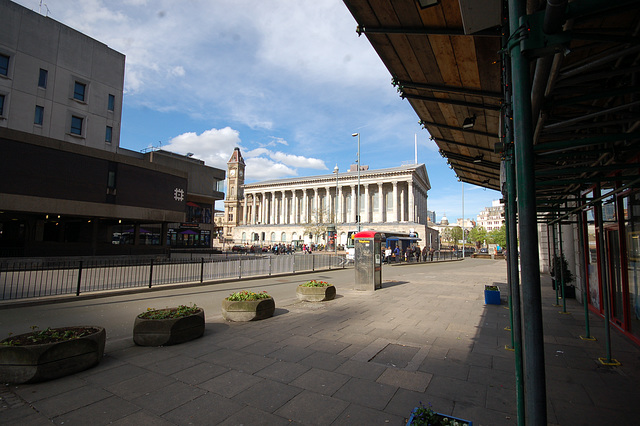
[50,353]
[248,306]
[316,291]
[560,265]
[491,295]
[423,416]
[169,326]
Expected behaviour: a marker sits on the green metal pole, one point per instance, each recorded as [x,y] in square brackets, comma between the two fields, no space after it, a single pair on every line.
[554,264]
[561,266]
[605,282]
[534,368]
[585,294]
[512,239]
[512,254]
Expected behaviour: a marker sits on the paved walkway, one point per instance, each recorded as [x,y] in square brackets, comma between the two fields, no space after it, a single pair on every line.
[365,358]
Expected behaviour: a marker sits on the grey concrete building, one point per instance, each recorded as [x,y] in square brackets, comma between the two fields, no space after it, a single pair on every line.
[66,185]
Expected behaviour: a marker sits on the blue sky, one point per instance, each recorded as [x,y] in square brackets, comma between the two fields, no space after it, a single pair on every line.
[286,81]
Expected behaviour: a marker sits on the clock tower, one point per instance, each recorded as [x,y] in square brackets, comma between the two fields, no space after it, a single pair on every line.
[233,203]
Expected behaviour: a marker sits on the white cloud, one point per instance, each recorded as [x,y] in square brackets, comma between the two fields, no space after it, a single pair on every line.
[298,161]
[215,147]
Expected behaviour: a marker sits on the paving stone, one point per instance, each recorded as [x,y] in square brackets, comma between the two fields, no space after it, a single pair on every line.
[324,360]
[142,418]
[169,397]
[102,412]
[329,346]
[311,408]
[411,380]
[359,415]
[263,347]
[230,383]
[70,400]
[115,375]
[209,409]
[254,417]
[37,391]
[365,392]
[247,363]
[282,371]
[458,390]
[395,355]
[449,368]
[267,395]
[404,401]
[199,373]
[139,385]
[291,353]
[484,375]
[362,370]
[320,381]
[173,365]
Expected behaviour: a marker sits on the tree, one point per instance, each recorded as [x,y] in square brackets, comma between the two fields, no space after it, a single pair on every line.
[477,235]
[498,236]
[456,234]
[445,234]
[316,228]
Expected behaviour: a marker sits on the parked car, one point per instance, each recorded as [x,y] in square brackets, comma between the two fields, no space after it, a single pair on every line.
[484,250]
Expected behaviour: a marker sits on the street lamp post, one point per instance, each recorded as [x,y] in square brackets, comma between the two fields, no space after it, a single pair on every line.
[358,199]
[335,212]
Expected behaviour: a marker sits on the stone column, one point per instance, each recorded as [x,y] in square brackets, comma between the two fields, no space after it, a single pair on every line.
[354,196]
[305,207]
[402,205]
[411,203]
[263,209]
[380,203]
[285,208]
[253,209]
[295,208]
[367,204]
[315,207]
[339,205]
[395,201]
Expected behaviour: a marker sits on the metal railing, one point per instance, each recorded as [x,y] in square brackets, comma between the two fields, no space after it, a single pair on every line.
[42,278]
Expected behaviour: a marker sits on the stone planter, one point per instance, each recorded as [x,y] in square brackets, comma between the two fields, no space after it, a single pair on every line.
[46,361]
[248,310]
[316,294]
[169,331]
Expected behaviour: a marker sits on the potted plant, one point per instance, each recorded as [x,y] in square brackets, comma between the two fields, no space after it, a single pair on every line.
[248,306]
[423,416]
[50,353]
[316,291]
[561,266]
[169,326]
[491,295]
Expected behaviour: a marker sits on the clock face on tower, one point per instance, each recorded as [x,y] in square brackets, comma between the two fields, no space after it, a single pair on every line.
[232,172]
[240,173]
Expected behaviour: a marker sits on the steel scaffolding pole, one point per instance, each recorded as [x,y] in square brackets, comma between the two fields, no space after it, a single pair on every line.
[534,368]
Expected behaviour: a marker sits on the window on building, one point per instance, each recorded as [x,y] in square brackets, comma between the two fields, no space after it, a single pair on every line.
[108,133]
[4,64]
[39,115]
[111,103]
[1,105]
[76,125]
[42,78]
[79,90]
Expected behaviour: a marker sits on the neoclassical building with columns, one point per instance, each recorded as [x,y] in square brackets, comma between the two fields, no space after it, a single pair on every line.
[279,211]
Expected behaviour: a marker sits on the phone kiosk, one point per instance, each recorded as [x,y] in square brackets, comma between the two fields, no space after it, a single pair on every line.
[368,260]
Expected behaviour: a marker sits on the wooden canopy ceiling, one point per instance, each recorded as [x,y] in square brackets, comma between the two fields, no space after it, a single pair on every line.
[584,85]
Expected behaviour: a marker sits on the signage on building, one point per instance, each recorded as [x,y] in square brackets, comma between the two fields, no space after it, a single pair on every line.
[190,225]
